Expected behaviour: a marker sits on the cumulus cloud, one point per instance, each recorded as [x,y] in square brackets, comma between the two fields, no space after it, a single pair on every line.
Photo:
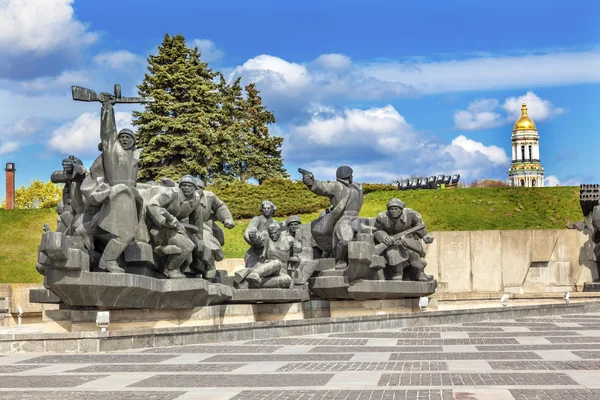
[481,114]
[9,147]
[82,135]
[23,127]
[553,180]
[121,59]
[62,81]
[381,145]
[208,49]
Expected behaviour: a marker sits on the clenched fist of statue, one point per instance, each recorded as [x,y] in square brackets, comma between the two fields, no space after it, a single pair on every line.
[428,239]
[389,240]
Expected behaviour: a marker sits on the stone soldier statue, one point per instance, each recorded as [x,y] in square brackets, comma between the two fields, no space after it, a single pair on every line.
[335,229]
[72,204]
[170,237]
[256,233]
[213,209]
[271,269]
[407,251]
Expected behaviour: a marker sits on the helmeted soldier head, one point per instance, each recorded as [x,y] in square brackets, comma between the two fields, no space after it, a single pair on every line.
[268,208]
[187,184]
[293,223]
[200,184]
[395,207]
[126,138]
[344,173]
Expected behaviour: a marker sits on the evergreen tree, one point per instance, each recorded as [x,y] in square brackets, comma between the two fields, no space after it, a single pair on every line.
[176,131]
[264,151]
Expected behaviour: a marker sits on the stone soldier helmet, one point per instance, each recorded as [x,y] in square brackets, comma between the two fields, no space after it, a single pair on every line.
[343,172]
[395,202]
[188,179]
[200,183]
[127,131]
[267,203]
[293,218]
[274,227]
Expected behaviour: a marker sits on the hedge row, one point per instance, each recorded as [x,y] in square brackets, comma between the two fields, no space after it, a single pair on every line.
[244,199]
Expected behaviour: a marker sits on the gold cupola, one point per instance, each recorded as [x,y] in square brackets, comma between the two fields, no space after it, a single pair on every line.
[524,123]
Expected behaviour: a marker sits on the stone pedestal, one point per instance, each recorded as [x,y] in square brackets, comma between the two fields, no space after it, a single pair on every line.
[269,295]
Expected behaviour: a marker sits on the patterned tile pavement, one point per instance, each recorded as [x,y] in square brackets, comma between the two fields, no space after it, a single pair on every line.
[529,358]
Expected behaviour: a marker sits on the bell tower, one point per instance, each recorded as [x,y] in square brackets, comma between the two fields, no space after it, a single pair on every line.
[526,169]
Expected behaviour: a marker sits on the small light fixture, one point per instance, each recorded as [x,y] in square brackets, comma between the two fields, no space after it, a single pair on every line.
[10,166]
[504,299]
[103,320]
[566,297]
[423,303]
[19,317]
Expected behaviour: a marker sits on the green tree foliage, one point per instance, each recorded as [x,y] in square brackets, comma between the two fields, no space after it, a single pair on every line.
[202,125]
[176,131]
[37,195]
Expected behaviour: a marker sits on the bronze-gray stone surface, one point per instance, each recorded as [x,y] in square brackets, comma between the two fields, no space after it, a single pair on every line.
[262,295]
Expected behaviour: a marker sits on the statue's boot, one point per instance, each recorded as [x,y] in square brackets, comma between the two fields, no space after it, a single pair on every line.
[174,263]
[423,277]
[113,250]
[397,272]
[254,279]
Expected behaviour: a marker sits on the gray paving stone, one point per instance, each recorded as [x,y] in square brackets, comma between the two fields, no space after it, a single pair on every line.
[546,325]
[550,394]
[373,349]
[12,369]
[160,368]
[46,381]
[575,340]
[389,335]
[574,316]
[535,347]
[564,328]
[520,334]
[311,342]
[452,329]
[364,366]
[220,349]
[135,358]
[496,355]
[278,357]
[587,354]
[230,380]
[473,379]
[72,395]
[545,365]
[410,394]
[455,342]
[557,320]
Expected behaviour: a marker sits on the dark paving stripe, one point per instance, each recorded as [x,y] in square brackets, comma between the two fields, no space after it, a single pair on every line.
[160,368]
[66,395]
[215,349]
[545,365]
[565,328]
[373,349]
[493,355]
[98,358]
[278,357]
[389,335]
[585,339]
[587,354]
[581,316]
[454,342]
[364,366]
[559,320]
[231,380]
[549,394]
[46,381]
[469,379]
[311,342]
[12,369]
[345,394]
[452,329]
[537,347]
[518,334]
[513,324]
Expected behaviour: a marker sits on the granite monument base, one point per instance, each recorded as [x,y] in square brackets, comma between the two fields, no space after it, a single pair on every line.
[380,290]
[119,290]
[241,296]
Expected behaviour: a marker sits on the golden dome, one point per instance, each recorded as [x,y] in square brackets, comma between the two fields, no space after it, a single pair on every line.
[524,123]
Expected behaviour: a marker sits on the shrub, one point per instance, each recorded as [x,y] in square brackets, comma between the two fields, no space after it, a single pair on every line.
[38,195]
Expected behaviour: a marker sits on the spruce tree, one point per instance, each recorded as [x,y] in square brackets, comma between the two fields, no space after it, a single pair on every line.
[176,132]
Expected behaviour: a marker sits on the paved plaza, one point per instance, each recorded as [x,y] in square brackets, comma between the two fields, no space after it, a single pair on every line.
[550,358]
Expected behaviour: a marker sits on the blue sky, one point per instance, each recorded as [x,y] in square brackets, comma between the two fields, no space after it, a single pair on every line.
[391,88]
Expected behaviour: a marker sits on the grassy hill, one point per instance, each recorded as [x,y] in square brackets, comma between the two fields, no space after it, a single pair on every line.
[442,210]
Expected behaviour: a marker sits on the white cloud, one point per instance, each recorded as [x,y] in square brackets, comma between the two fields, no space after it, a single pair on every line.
[81,137]
[333,61]
[9,147]
[382,146]
[553,180]
[40,27]
[23,127]
[279,74]
[62,81]
[480,114]
[208,49]
[538,109]
[121,59]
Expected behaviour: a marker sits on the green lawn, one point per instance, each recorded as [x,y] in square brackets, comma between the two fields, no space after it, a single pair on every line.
[442,210]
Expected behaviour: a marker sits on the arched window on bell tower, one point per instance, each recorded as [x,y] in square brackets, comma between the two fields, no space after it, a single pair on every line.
[530,157]
[523,152]
[523,180]
[533,181]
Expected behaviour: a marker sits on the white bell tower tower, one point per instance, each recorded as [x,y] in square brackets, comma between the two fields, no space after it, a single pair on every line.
[526,169]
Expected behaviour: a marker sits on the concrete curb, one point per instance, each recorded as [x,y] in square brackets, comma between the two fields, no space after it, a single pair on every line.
[92,342]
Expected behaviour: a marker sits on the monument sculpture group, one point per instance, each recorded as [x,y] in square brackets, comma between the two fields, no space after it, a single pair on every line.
[127,244]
